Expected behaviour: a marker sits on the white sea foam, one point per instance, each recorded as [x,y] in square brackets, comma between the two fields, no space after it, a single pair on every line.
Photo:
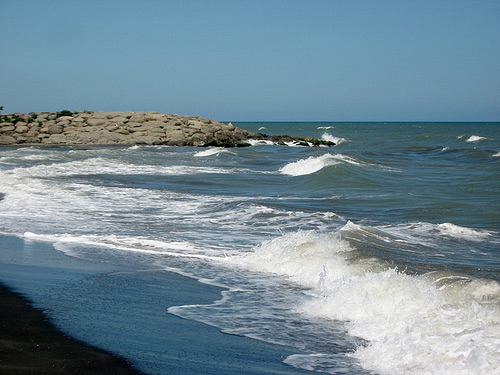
[315,164]
[325,127]
[457,231]
[211,151]
[330,138]
[262,128]
[417,324]
[475,138]
[497,155]
[413,232]
[104,166]
[259,142]
[78,245]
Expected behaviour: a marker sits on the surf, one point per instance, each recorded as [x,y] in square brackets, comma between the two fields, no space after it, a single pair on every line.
[419,324]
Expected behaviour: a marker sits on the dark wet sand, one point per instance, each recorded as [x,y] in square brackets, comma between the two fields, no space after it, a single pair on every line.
[29,344]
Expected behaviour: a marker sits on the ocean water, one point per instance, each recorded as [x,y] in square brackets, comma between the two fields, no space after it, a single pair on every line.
[379,255]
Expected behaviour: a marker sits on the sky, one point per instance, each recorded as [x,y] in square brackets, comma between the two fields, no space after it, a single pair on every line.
[253,60]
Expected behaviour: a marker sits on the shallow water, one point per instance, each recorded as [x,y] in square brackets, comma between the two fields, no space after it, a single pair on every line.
[385,246]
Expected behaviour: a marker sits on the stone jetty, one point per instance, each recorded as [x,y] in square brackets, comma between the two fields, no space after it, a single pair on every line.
[130,128]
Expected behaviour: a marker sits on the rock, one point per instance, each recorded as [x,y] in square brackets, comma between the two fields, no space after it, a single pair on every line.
[55,129]
[96,121]
[22,128]
[33,132]
[32,140]
[6,127]
[20,138]
[136,118]
[7,140]
[111,115]
[78,120]
[122,131]
[128,128]
[147,140]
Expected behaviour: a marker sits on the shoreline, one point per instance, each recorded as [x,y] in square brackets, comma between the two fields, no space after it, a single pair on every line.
[123,310]
[88,128]
[30,344]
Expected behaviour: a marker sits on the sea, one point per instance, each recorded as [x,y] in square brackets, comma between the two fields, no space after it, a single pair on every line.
[380,255]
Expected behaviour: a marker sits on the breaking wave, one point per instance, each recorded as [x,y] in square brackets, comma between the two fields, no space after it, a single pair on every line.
[331,138]
[437,322]
[315,164]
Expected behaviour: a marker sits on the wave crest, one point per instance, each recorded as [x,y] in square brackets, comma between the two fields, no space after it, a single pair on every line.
[330,138]
[315,164]
[417,323]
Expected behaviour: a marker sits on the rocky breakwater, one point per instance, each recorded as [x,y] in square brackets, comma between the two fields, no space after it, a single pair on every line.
[130,128]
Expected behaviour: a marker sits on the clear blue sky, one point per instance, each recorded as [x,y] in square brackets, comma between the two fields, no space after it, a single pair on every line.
[232,60]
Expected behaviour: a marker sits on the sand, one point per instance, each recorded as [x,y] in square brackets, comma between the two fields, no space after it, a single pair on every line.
[29,344]
[120,309]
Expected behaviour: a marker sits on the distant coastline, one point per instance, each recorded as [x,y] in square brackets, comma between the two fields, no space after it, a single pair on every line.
[87,128]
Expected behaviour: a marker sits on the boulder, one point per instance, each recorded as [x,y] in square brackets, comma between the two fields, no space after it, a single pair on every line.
[7,140]
[33,132]
[55,129]
[96,121]
[7,127]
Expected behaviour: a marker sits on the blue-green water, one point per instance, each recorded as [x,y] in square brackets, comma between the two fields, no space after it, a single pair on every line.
[385,246]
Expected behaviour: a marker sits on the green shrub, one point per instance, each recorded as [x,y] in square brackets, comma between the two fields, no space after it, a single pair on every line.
[64,112]
[16,119]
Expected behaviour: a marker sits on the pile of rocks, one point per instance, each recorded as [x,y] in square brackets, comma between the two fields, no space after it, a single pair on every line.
[126,128]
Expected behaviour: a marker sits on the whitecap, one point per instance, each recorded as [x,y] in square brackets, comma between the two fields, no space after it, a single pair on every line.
[315,164]
[497,155]
[413,232]
[453,230]
[475,138]
[211,151]
[417,324]
[330,138]
[259,142]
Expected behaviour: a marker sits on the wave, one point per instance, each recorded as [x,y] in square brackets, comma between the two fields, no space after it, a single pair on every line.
[413,232]
[315,164]
[472,138]
[79,245]
[257,142]
[211,151]
[100,165]
[497,155]
[325,127]
[420,324]
[331,138]
[457,231]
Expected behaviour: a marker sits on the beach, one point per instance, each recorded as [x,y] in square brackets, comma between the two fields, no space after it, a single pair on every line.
[29,344]
[52,337]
